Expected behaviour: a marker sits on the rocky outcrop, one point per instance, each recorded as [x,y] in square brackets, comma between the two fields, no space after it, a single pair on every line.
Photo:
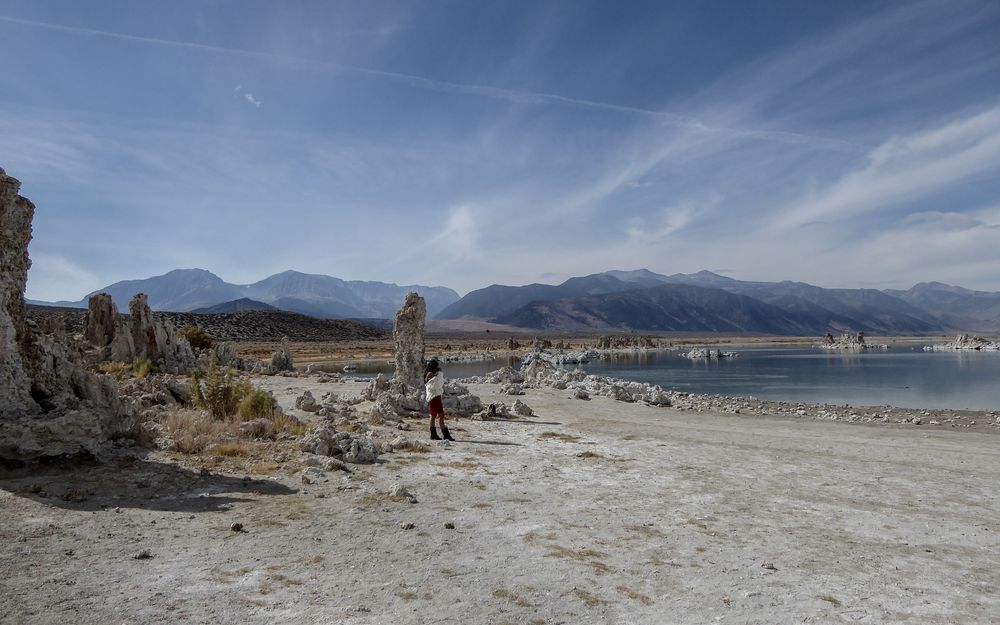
[281,360]
[156,339]
[850,342]
[965,342]
[628,341]
[49,405]
[142,335]
[325,440]
[703,353]
[408,336]
[101,322]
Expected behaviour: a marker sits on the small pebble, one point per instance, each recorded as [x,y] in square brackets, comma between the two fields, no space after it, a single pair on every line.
[143,555]
[449,525]
[236,527]
[408,526]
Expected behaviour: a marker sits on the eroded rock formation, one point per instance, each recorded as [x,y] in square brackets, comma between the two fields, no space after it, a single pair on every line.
[142,336]
[408,335]
[49,406]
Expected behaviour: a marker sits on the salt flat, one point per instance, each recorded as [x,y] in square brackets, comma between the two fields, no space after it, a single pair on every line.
[590,512]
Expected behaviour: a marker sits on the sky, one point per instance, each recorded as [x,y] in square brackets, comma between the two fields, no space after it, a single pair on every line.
[465,143]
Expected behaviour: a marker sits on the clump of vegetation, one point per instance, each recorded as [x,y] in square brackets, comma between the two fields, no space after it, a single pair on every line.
[218,391]
[288,423]
[141,367]
[193,431]
[116,369]
[226,402]
[196,336]
[230,449]
[257,404]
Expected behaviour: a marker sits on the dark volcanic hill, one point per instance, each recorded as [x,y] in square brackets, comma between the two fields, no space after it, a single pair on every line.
[248,325]
[237,305]
[316,295]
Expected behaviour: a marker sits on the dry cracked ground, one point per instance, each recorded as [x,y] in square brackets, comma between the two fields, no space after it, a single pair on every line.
[591,512]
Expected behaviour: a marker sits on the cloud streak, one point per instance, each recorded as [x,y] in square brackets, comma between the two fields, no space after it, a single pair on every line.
[493,92]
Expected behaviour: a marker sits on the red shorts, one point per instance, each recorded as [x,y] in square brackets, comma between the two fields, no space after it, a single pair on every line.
[435,406]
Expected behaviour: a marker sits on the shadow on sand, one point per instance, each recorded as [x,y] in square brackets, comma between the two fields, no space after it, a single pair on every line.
[467,441]
[523,422]
[135,483]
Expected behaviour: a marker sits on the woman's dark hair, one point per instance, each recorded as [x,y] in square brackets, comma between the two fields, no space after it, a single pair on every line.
[433,366]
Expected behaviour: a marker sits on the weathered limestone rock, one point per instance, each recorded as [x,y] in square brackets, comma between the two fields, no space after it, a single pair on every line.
[511,389]
[629,341]
[522,409]
[49,406]
[281,360]
[326,441]
[306,402]
[156,339]
[377,386]
[408,335]
[101,320]
[104,328]
[965,342]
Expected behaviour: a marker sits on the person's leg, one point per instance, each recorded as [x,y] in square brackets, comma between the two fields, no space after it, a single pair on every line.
[435,407]
[434,432]
[444,430]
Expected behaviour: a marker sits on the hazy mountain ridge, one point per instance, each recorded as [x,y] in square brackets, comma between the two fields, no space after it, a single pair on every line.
[184,290]
[637,300]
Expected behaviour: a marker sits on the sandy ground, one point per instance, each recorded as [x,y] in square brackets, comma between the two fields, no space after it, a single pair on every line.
[591,512]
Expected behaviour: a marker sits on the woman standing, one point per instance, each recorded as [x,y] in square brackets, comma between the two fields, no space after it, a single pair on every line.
[434,387]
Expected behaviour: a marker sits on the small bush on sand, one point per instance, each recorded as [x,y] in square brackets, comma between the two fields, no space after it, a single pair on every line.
[230,449]
[256,404]
[193,431]
[218,392]
[141,367]
[196,336]
[286,423]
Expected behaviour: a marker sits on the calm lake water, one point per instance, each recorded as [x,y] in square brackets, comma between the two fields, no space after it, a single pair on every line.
[904,376]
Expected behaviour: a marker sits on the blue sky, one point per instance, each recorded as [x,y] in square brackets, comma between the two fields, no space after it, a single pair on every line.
[465,143]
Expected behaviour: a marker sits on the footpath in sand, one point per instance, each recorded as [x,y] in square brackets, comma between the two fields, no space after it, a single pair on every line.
[590,512]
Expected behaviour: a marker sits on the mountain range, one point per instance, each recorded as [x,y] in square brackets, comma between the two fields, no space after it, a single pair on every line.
[707,302]
[326,297]
[639,300]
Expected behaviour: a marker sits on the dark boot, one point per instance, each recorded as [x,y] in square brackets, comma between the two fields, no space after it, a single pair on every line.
[434,433]
[447,434]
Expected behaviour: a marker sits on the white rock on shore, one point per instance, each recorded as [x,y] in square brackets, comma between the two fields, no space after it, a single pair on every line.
[966,342]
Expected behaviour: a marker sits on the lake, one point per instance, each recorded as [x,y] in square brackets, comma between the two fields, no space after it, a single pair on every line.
[904,376]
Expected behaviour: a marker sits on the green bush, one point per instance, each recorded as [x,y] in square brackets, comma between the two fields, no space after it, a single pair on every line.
[218,392]
[255,405]
[196,336]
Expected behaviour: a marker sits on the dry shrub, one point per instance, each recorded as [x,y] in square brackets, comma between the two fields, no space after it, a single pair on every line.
[117,370]
[193,431]
[230,449]
[287,423]
[196,336]
[141,367]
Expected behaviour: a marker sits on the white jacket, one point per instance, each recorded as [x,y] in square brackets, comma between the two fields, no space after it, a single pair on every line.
[434,386]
